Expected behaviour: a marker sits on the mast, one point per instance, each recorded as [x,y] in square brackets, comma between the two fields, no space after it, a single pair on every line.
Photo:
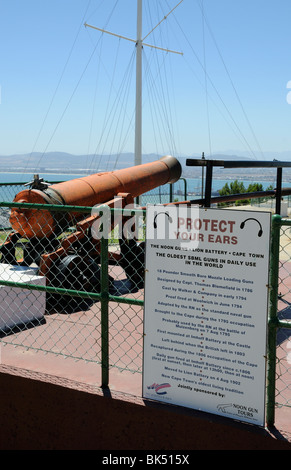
[138,108]
[139,43]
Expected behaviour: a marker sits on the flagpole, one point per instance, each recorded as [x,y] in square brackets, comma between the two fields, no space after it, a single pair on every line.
[138,108]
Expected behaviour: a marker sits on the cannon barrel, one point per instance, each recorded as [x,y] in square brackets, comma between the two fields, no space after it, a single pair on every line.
[87,191]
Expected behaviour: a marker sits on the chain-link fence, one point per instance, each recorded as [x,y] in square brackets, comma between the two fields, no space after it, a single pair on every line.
[68,293]
[279,323]
[51,283]
[55,295]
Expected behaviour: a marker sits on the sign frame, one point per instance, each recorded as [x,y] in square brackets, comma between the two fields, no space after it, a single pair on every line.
[196,353]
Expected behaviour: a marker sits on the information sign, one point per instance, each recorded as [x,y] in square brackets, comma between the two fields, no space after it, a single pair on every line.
[206,302]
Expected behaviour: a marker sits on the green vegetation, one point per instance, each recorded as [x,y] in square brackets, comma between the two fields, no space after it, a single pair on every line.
[237,187]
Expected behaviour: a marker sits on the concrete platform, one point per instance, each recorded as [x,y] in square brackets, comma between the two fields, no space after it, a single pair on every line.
[42,412]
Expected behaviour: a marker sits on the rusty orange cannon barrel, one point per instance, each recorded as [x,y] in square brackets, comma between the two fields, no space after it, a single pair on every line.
[88,191]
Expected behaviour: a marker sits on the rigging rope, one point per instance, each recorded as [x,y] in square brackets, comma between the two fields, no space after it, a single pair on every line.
[163,112]
[56,90]
[205,77]
[158,86]
[111,112]
[237,130]
[59,82]
[230,79]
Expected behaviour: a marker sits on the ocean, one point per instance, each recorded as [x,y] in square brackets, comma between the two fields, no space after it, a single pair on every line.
[193,184]
[158,195]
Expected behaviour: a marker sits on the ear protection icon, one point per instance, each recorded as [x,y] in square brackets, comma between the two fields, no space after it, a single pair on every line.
[260,232]
[165,213]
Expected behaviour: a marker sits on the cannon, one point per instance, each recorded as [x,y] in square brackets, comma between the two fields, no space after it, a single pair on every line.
[88,191]
[72,261]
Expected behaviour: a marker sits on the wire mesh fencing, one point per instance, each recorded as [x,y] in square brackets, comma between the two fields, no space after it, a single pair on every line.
[64,291]
[283,350]
[70,293]
[55,290]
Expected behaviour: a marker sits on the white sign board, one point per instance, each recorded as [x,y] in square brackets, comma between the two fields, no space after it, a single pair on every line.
[206,302]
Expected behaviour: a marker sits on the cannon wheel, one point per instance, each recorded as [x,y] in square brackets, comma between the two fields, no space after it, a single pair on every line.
[77,273]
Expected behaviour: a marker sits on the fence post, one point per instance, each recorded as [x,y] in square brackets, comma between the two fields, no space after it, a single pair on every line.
[273,319]
[104,313]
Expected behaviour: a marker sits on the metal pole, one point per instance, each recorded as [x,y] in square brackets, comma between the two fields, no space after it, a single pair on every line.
[202,188]
[138,109]
[208,184]
[104,313]
[279,190]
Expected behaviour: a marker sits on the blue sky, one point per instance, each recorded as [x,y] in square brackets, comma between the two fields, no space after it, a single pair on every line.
[68,88]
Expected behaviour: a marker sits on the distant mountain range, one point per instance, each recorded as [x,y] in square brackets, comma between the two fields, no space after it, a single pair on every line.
[61,162]
[66,162]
